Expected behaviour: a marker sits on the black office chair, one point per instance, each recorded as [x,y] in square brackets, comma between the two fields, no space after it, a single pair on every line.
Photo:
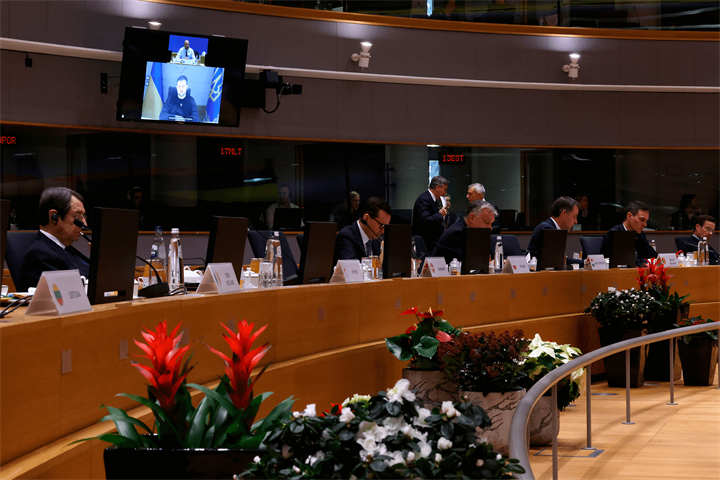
[300,238]
[18,244]
[686,244]
[511,245]
[258,239]
[590,246]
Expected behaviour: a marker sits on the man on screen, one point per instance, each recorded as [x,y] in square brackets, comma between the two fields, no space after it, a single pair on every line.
[186,53]
[179,105]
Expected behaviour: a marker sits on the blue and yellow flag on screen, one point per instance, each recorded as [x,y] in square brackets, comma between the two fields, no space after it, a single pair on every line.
[153,101]
[213,103]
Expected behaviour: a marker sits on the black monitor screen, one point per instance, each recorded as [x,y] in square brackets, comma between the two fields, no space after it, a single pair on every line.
[397,251]
[184,79]
[318,248]
[622,254]
[227,241]
[476,251]
[552,256]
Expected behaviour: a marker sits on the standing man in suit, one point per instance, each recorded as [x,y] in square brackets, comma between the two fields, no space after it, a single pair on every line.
[704,226]
[362,237]
[52,247]
[563,215]
[636,218]
[476,191]
[429,212]
[479,214]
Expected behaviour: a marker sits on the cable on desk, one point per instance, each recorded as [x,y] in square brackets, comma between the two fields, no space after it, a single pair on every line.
[15,305]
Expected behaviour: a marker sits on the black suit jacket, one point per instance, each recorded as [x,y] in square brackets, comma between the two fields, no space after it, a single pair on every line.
[450,243]
[45,255]
[427,221]
[349,244]
[643,250]
[690,244]
[536,240]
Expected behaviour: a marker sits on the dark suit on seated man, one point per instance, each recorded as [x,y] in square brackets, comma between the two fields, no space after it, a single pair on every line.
[704,226]
[429,212]
[563,215]
[479,214]
[51,249]
[179,104]
[636,217]
[362,238]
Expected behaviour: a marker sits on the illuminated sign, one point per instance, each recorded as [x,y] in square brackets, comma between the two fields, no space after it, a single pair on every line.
[231,151]
[452,158]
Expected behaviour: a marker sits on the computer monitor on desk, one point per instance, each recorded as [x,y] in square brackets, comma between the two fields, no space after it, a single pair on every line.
[397,251]
[287,219]
[316,264]
[622,253]
[112,255]
[476,251]
[552,256]
[228,236]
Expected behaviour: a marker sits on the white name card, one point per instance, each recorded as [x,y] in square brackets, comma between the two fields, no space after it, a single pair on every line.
[434,267]
[670,259]
[58,293]
[516,264]
[348,271]
[595,262]
[219,278]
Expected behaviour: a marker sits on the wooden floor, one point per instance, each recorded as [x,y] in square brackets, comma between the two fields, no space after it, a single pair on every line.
[666,441]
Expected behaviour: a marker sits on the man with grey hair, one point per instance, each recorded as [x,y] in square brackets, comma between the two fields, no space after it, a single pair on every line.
[476,191]
[479,214]
[429,212]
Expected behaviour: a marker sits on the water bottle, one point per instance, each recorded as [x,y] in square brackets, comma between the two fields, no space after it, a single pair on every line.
[652,244]
[273,253]
[158,259]
[13,220]
[499,255]
[703,252]
[175,262]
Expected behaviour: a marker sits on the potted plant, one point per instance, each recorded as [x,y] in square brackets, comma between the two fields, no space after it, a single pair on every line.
[653,279]
[388,435]
[698,353]
[419,346]
[212,440]
[489,370]
[541,358]
[624,314]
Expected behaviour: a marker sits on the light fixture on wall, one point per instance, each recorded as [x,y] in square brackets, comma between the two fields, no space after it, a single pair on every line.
[362,58]
[153,25]
[572,69]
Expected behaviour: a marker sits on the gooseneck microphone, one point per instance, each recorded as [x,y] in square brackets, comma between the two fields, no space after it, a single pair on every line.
[364,222]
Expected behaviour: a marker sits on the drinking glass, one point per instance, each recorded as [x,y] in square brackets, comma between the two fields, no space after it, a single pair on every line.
[266,274]
[367,266]
[255,264]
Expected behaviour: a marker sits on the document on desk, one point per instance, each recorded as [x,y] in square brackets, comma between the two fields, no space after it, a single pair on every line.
[58,293]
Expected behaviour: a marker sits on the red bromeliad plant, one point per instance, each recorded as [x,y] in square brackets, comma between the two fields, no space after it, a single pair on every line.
[654,279]
[223,418]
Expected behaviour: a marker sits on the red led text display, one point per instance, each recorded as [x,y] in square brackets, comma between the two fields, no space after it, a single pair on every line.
[452,158]
[231,151]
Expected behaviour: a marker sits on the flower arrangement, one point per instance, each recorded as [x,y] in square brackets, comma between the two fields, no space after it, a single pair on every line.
[542,357]
[486,362]
[419,343]
[653,279]
[223,418]
[625,309]
[388,435]
[689,322]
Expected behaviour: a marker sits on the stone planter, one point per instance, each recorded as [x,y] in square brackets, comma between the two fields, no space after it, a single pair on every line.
[433,386]
[500,407]
[657,365]
[166,463]
[615,364]
[540,427]
[699,361]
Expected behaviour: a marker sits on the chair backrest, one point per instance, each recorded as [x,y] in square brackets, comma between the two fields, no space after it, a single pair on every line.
[511,245]
[258,239]
[685,244]
[18,244]
[591,245]
[300,238]
[420,246]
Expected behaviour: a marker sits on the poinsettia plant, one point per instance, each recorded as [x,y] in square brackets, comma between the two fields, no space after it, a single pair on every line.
[689,322]
[224,418]
[419,343]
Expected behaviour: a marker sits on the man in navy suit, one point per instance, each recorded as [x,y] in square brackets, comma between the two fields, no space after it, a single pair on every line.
[429,212]
[563,215]
[362,237]
[479,214]
[704,226]
[636,218]
[51,249]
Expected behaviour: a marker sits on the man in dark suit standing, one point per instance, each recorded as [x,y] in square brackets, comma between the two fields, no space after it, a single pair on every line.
[563,215]
[636,218]
[704,226]
[362,237]
[51,249]
[479,214]
[429,212]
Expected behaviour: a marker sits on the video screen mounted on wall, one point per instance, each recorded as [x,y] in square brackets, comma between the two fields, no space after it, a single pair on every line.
[181,78]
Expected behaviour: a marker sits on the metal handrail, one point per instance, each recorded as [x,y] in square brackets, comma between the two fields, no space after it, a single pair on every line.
[518,441]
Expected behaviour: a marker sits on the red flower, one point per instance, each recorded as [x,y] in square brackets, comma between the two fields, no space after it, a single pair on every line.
[239,368]
[410,311]
[164,375]
[411,329]
[442,336]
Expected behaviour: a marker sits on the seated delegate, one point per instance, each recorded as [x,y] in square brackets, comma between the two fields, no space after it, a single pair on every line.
[479,214]
[563,215]
[362,238]
[636,218]
[179,104]
[703,226]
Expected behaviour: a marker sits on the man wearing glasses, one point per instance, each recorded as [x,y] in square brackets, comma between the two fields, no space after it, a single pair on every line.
[704,226]
[362,238]
[51,249]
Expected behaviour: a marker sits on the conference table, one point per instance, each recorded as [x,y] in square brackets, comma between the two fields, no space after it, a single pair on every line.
[327,344]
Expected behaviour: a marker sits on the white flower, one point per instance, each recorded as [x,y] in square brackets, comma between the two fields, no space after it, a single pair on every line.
[286,452]
[346,416]
[394,424]
[297,415]
[410,456]
[498,457]
[355,399]
[314,458]
[480,463]
[612,289]
[425,448]
[443,443]
[397,457]
[296,469]
[256,459]
[310,411]
[400,391]
[449,410]
[423,413]
[438,458]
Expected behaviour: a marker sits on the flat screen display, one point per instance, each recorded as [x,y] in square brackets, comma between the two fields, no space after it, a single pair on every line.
[183,79]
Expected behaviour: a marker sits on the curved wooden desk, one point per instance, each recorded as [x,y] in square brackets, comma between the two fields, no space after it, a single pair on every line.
[328,343]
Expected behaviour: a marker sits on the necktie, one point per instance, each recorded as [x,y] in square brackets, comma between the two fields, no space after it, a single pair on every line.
[439,203]
[368,248]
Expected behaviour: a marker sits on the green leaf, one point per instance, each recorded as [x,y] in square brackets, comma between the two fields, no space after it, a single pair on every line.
[393,408]
[125,418]
[224,402]
[159,412]
[346,435]
[378,465]
[427,346]
[399,347]
[296,427]
[447,430]
[198,425]
[124,423]
[278,414]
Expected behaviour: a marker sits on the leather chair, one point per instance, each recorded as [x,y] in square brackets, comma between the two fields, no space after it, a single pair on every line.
[511,245]
[686,244]
[18,244]
[591,246]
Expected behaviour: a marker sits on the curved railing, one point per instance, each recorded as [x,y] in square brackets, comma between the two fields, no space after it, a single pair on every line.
[518,425]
